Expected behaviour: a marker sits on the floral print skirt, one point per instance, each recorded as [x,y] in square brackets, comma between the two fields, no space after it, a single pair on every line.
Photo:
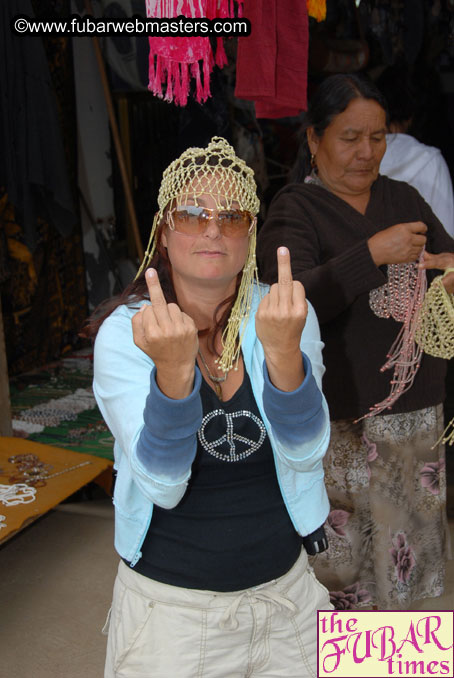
[387,529]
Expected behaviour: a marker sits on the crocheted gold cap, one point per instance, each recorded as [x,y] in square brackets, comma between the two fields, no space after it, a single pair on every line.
[215,170]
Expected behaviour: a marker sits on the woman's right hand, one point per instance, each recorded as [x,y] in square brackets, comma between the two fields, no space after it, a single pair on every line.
[169,337]
[398,244]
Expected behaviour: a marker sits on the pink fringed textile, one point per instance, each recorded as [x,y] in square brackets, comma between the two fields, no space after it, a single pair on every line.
[400,298]
[173,61]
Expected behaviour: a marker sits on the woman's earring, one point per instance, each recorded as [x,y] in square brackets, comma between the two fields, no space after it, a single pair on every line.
[313,161]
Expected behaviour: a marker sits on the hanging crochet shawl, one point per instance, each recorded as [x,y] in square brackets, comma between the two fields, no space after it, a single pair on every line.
[400,298]
[173,61]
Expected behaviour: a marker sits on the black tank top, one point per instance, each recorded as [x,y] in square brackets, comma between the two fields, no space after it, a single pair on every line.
[231,529]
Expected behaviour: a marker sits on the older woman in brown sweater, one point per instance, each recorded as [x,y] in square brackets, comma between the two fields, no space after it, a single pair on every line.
[361,244]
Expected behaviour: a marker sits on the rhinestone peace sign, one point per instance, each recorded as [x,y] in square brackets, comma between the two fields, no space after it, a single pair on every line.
[230,437]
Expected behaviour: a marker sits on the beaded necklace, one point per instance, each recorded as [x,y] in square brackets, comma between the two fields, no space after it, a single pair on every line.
[19,493]
[31,471]
[217,381]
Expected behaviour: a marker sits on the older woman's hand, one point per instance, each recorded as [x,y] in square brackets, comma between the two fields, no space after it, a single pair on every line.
[169,337]
[279,323]
[398,244]
[441,261]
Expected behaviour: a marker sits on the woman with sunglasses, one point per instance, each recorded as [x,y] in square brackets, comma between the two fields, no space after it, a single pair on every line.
[210,384]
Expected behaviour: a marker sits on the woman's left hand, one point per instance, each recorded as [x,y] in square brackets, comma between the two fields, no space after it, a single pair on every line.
[279,323]
[441,261]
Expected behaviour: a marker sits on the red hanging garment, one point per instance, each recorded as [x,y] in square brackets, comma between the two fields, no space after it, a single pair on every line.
[272,62]
[173,61]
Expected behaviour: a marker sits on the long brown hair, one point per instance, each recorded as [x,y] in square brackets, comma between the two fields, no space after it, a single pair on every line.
[137,292]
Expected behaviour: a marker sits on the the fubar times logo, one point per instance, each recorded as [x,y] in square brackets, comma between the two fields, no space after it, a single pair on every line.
[369,644]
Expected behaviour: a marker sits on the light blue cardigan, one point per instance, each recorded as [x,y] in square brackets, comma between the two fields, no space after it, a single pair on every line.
[156,437]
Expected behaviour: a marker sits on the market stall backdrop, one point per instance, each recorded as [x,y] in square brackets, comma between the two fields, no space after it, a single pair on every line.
[68,244]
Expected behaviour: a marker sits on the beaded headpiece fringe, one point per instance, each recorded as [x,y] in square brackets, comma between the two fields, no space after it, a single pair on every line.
[215,170]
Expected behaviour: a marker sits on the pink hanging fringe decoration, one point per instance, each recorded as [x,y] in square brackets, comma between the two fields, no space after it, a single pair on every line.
[173,61]
[401,301]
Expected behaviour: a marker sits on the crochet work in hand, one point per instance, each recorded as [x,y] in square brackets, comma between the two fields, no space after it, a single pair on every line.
[435,325]
[435,331]
[400,298]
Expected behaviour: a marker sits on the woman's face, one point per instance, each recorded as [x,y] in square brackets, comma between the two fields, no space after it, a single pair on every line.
[209,257]
[349,153]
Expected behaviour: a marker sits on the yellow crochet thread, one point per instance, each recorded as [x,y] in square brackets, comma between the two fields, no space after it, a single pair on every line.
[435,332]
[215,170]
[435,325]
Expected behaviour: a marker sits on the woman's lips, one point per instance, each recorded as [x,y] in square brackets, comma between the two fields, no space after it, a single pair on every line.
[210,253]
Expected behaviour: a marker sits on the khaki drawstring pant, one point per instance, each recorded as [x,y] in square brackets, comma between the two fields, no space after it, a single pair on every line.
[268,631]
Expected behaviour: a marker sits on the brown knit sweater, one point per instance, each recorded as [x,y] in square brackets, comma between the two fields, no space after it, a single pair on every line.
[327,239]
